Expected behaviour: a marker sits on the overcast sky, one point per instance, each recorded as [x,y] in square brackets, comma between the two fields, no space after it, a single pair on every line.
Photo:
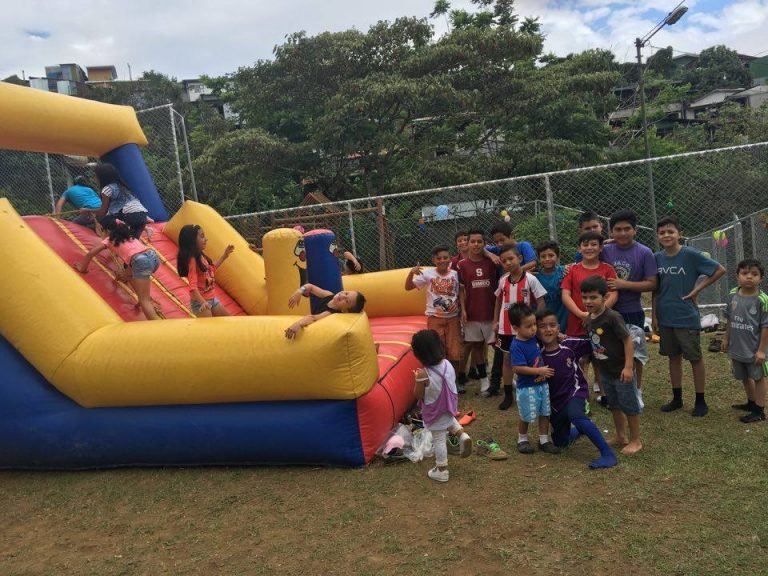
[193,37]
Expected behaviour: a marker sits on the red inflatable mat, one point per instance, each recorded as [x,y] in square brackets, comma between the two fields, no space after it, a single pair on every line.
[383,406]
[170,293]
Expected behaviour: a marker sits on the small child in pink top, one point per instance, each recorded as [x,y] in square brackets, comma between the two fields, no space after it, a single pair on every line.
[140,260]
[194,264]
[435,389]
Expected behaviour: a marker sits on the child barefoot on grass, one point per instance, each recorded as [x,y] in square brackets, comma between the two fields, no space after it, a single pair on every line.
[435,390]
[613,351]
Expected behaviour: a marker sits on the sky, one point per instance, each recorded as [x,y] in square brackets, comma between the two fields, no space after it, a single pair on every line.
[192,37]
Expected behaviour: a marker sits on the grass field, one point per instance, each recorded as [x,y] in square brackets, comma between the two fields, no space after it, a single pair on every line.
[693,501]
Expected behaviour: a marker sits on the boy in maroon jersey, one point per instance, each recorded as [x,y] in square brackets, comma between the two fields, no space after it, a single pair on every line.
[477,278]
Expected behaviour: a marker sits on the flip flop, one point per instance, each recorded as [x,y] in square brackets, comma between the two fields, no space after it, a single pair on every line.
[468,418]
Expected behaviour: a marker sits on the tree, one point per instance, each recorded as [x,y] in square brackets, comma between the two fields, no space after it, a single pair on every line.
[718,67]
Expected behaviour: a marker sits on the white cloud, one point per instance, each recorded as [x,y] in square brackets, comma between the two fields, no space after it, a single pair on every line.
[194,37]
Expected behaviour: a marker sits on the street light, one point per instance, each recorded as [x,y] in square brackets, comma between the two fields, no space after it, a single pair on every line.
[669,20]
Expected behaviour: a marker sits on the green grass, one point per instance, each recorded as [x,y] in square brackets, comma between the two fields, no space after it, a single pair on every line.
[692,502]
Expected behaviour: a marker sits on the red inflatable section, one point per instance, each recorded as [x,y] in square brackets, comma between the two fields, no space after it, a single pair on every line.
[383,406]
[169,291]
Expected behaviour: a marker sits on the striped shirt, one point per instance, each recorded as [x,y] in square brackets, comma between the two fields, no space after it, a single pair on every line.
[526,290]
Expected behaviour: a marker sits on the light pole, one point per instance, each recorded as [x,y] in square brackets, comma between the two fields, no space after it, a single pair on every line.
[669,20]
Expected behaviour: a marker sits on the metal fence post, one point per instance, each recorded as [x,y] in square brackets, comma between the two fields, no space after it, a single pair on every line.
[651,192]
[753,235]
[550,209]
[352,229]
[738,237]
[50,182]
[176,152]
[189,157]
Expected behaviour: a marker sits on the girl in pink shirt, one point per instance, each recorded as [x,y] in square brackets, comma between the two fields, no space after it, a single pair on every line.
[195,265]
[140,260]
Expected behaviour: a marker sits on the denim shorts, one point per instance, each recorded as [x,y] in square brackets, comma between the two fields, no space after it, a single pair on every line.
[145,264]
[212,303]
[533,401]
[621,396]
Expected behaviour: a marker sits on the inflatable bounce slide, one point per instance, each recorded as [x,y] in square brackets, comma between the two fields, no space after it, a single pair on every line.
[86,383]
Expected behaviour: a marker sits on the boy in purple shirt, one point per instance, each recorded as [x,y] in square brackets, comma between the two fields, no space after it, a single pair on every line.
[568,389]
[635,268]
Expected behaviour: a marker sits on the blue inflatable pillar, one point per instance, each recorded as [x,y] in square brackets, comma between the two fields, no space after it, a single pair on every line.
[132,168]
[322,262]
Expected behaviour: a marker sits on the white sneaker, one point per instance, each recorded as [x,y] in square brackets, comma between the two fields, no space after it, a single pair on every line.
[438,475]
[485,385]
[466,445]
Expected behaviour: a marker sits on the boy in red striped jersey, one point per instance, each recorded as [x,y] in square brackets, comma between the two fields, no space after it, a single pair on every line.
[515,287]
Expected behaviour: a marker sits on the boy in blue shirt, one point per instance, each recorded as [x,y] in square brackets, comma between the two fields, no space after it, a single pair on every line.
[550,274]
[80,196]
[532,387]
[675,314]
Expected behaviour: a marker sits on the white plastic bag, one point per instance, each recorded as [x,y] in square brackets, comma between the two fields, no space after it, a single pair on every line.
[421,446]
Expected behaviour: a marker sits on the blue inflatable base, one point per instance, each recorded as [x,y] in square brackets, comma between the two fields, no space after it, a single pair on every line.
[40,428]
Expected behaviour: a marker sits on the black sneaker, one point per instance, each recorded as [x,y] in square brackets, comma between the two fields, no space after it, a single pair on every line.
[472,374]
[672,405]
[753,417]
[493,391]
[715,345]
[549,448]
[525,447]
[460,388]
[604,401]
[747,406]
[461,380]
[700,410]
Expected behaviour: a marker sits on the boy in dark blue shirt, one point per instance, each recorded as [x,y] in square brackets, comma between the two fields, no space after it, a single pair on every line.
[532,387]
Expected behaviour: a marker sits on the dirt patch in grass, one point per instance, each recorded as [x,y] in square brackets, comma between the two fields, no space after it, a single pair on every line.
[693,502]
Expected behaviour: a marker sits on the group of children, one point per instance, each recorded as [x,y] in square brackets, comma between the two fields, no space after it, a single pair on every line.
[547,323]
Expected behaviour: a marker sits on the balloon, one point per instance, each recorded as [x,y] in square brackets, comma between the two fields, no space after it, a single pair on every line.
[718,235]
[507,218]
[442,212]
[504,213]
[724,242]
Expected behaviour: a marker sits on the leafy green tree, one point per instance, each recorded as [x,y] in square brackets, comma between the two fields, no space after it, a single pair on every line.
[718,67]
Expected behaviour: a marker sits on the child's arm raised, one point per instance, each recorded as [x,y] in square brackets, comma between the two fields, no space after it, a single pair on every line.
[413,272]
[227,252]
[421,382]
[83,266]
[307,290]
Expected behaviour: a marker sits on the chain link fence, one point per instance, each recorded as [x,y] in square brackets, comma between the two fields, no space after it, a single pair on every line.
[33,182]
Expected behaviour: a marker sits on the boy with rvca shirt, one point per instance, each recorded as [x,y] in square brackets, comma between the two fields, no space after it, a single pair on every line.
[675,314]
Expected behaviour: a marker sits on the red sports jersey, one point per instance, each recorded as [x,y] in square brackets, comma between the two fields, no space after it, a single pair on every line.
[479,282]
[574,277]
